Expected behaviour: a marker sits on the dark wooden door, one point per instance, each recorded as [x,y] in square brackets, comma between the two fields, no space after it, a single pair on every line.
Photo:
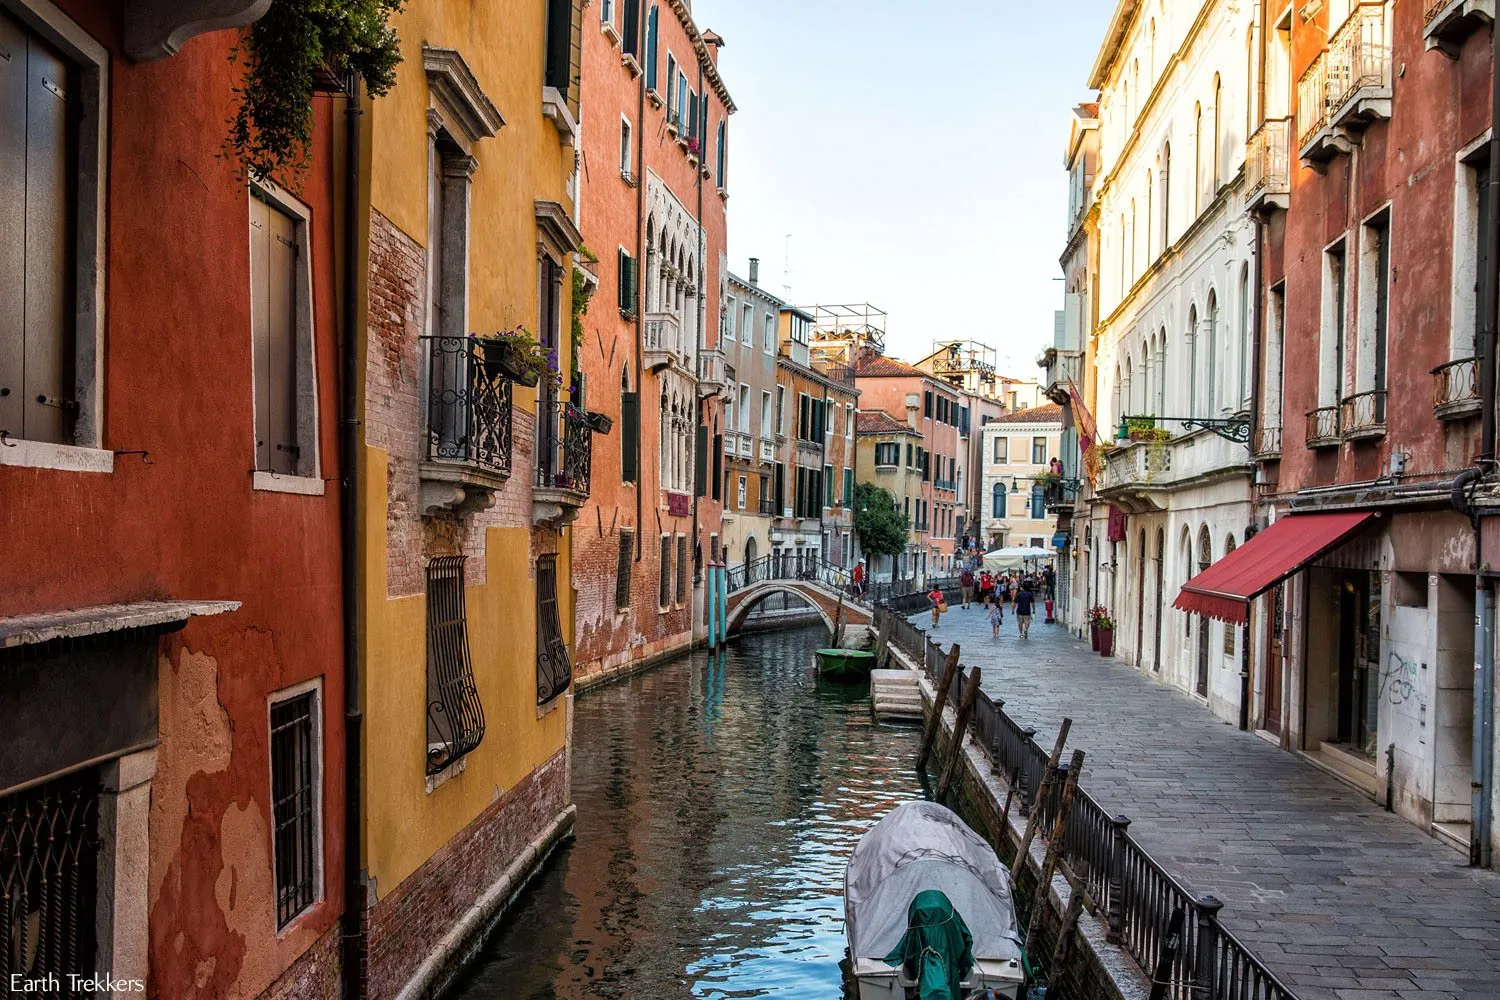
[1275,631]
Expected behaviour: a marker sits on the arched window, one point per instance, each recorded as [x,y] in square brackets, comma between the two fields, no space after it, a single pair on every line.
[1192,369]
[1197,159]
[1161,373]
[997,500]
[1218,131]
[1166,196]
[1151,56]
[1150,191]
[1186,549]
[1243,361]
[1211,355]
[1127,390]
[1205,548]
[1115,411]
[1124,285]
[1133,271]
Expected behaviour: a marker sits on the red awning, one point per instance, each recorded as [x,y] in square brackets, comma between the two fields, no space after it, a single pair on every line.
[1224,590]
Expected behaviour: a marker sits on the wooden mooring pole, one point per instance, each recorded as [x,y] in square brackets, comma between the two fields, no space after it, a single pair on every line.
[938,705]
[882,643]
[960,731]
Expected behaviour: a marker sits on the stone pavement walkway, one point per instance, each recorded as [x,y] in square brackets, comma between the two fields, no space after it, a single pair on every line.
[1340,899]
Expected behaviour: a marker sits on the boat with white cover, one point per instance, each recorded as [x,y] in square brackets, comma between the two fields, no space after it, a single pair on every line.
[923,848]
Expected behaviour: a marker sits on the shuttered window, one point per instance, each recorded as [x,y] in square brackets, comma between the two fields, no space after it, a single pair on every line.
[554,667]
[664,588]
[719,156]
[630,435]
[828,485]
[848,487]
[779,493]
[700,459]
[622,571]
[651,21]
[927,404]
[273,324]
[718,454]
[37,346]
[630,28]
[682,574]
[627,283]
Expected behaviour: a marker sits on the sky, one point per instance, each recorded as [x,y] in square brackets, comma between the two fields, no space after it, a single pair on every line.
[913,152]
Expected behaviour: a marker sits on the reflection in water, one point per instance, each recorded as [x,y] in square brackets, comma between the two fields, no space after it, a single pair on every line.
[718,800]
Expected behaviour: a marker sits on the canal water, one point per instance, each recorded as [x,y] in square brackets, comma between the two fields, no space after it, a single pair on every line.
[719,797]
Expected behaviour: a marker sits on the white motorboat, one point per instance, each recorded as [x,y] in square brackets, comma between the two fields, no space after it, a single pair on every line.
[922,848]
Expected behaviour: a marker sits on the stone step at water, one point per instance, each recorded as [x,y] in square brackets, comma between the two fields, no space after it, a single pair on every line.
[895,694]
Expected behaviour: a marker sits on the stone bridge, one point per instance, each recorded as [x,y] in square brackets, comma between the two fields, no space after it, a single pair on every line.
[823,598]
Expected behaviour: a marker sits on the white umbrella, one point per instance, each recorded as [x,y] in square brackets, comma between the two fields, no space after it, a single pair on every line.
[1015,557]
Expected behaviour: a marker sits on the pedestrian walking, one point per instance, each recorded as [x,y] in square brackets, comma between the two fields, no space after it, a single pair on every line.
[935,598]
[1023,609]
[859,578]
[966,586]
[986,587]
[996,616]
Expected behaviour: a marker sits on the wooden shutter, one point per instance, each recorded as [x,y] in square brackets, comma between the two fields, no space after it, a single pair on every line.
[36,324]
[827,486]
[848,487]
[622,571]
[718,477]
[273,320]
[927,404]
[779,494]
[622,280]
[630,435]
[681,569]
[700,460]
[664,585]
[559,43]
[651,20]
[630,29]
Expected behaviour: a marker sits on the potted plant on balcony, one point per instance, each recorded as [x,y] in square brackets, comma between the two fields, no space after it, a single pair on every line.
[1106,626]
[1145,429]
[515,355]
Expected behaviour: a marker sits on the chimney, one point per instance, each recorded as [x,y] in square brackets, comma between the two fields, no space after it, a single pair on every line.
[755,270]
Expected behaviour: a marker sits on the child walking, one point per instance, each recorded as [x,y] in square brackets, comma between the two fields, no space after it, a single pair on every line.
[996,616]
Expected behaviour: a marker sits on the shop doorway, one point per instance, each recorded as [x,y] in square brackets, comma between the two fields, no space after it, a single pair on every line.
[1270,709]
[1358,662]
[1452,785]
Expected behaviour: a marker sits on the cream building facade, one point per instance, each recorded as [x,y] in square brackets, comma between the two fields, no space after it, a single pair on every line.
[1173,338]
[1018,450]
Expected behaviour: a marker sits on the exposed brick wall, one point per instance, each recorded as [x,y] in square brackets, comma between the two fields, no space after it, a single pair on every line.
[316,974]
[408,922]
[395,421]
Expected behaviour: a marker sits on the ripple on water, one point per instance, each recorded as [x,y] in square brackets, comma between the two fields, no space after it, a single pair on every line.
[718,800]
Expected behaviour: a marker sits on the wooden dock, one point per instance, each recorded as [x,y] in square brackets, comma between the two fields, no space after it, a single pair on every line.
[895,696]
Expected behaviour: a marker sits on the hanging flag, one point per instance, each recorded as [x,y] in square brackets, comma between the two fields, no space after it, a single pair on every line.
[1087,431]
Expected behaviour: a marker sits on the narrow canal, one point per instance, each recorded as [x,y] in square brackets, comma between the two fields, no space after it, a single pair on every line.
[718,800]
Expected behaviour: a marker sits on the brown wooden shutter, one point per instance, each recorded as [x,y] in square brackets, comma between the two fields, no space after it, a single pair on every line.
[622,572]
[630,435]
[664,590]
[273,321]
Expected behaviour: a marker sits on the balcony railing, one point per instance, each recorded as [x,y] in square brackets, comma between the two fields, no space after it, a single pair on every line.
[1450,22]
[468,406]
[1455,388]
[842,374]
[1063,367]
[730,439]
[664,342]
[1266,164]
[1323,427]
[564,454]
[1136,465]
[746,447]
[712,377]
[1363,415]
[1268,442]
[767,506]
[1312,100]
[767,450]
[1359,57]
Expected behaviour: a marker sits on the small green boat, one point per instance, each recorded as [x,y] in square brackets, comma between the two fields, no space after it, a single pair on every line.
[845,664]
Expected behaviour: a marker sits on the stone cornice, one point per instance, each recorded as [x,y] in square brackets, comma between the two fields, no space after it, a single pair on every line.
[454,84]
[705,61]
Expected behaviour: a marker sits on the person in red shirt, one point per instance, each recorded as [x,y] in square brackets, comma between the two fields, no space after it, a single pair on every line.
[935,598]
[966,585]
[859,578]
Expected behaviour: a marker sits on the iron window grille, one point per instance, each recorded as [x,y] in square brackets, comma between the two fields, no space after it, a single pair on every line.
[455,717]
[294,804]
[49,851]
[622,572]
[469,403]
[554,669]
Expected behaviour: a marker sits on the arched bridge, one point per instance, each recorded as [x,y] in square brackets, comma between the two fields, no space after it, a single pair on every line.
[818,584]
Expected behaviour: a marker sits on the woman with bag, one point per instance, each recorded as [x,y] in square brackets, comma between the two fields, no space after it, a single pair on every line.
[938,604]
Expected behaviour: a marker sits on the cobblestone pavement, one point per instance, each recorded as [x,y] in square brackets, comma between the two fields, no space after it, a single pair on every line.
[1340,899]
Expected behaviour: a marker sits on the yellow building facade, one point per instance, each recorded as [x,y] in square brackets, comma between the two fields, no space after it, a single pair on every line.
[469,478]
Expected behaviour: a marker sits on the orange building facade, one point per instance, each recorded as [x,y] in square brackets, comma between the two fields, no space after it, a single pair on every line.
[654,134]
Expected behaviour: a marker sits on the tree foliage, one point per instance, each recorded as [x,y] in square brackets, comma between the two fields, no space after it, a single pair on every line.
[881,526]
[283,54]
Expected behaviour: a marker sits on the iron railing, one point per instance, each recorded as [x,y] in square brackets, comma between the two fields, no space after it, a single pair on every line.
[49,852]
[1137,896]
[767,506]
[1312,100]
[1455,386]
[455,717]
[1358,55]
[1268,441]
[1323,427]
[468,404]
[1434,8]
[1363,415]
[554,668]
[1267,160]
[564,454]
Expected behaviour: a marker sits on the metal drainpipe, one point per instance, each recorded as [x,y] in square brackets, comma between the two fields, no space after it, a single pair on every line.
[640,296]
[1480,839]
[355,949]
[700,342]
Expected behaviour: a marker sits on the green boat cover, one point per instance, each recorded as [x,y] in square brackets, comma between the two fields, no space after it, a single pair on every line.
[936,949]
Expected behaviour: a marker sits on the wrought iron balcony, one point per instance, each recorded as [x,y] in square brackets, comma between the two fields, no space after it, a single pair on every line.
[767,506]
[1268,443]
[1266,165]
[1059,493]
[1455,389]
[1312,102]
[1359,68]
[842,374]
[1323,427]
[1449,22]
[663,341]
[564,461]
[469,409]
[1363,415]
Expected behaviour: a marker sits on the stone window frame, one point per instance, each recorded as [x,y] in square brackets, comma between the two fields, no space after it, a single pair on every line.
[309,478]
[320,867]
[90,178]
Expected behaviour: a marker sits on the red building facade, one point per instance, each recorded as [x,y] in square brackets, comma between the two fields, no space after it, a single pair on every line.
[655,144]
[1372,248]
[170,598]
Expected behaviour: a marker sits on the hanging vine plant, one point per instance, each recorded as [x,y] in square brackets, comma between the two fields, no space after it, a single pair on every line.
[284,55]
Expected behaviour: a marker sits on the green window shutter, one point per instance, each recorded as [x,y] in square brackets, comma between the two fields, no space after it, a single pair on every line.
[651,48]
[622,283]
[700,462]
[718,453]
[848,487]
[780,490]
[630,435]
[827,486]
